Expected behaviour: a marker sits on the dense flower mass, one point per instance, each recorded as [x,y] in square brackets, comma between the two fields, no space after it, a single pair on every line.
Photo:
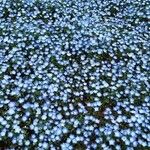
[75,74]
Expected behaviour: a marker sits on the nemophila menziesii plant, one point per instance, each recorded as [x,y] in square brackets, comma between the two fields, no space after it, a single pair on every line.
[74,74]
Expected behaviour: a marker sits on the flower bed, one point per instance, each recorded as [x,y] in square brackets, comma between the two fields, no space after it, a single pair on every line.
[75,74]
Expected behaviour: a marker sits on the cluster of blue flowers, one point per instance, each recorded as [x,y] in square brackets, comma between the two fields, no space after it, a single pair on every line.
[75,74]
